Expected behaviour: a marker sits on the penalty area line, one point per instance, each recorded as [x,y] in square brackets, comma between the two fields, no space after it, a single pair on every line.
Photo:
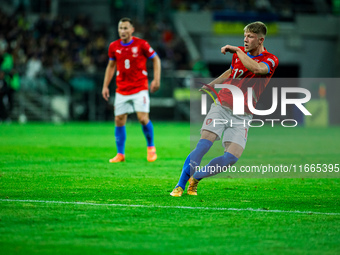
[168,207]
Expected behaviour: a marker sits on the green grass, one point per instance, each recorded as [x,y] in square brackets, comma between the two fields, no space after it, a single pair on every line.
[70,163]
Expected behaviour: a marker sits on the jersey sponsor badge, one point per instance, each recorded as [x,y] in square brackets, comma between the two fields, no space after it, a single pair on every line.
[271,61]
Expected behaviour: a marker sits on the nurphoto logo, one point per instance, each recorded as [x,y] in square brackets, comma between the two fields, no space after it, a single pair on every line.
[238,103]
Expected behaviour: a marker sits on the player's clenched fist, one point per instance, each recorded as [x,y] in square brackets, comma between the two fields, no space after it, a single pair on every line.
[228,48]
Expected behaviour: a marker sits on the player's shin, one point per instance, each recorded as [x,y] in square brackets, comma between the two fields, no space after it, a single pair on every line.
[216,166]
[148,133]
[120,135]
[193,160]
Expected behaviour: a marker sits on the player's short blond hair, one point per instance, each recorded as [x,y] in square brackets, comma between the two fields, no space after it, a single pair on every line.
[257,27]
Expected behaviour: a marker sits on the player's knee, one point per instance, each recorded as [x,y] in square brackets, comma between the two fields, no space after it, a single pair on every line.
[234,149]
[143,120]
[120,120]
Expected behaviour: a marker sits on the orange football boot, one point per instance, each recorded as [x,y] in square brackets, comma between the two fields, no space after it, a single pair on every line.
[152,156]
[177,192]
[118,158]
[192,189]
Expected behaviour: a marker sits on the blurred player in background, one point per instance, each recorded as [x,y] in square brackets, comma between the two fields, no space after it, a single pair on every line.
[129,55]
[252,66]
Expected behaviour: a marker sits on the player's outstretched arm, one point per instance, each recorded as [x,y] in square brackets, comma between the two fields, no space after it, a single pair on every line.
[109,72]
[219,80]
[156,82]
[229,48]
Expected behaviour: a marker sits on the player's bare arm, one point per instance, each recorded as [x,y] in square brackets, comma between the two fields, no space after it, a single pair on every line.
[219,80]
[156,82]
[251,65]
[109,72]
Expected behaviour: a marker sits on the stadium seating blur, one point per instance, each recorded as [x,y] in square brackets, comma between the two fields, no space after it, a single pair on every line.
[59,49]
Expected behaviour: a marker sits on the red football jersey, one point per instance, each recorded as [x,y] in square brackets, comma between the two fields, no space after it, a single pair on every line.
[243,78]
[131,60]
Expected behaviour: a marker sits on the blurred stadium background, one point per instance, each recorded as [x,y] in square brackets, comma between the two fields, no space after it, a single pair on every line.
[53,53]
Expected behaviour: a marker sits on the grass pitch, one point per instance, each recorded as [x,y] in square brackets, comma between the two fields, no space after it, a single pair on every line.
[69,163]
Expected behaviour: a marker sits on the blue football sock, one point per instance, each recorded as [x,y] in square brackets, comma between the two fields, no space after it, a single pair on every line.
[148,133]
[193,160]
[120,134]
[215,166]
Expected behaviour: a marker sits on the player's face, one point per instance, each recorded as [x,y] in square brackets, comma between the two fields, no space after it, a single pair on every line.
[125,30]
[251,42]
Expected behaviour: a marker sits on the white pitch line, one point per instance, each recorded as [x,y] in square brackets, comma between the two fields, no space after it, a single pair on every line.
[168,207]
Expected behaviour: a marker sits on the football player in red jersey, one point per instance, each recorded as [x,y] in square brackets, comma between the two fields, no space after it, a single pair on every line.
[127,57]
[252,66]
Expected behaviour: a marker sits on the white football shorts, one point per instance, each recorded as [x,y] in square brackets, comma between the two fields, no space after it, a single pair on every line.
[139,102]
[231,128]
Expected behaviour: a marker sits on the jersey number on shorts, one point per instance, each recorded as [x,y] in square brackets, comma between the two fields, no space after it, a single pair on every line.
[127,63]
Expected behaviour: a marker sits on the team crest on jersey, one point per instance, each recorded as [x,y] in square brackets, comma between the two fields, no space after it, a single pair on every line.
[134,50]
[208,121]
